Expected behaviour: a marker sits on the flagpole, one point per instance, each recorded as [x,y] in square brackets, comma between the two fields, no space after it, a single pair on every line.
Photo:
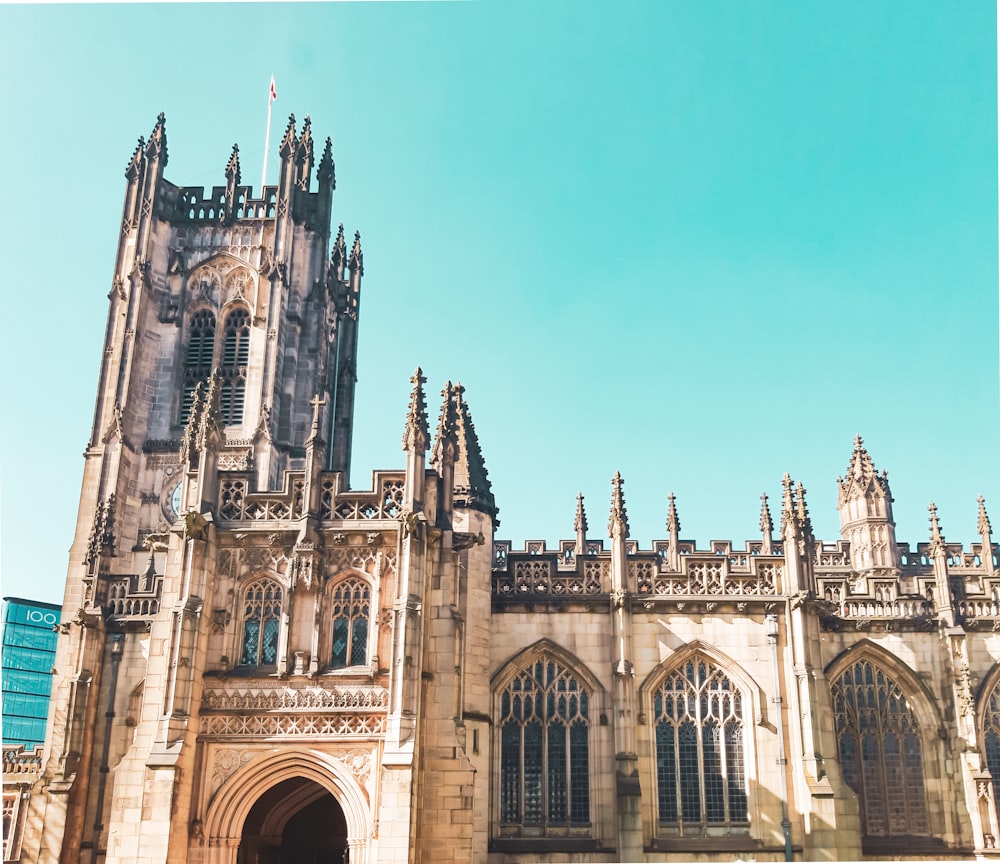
[267,137]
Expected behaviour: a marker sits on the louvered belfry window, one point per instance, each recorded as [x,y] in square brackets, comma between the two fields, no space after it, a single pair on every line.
[235,359]
[198,358]
[544,749]
[880,751]
[261,623]
[700,776]
[351,609]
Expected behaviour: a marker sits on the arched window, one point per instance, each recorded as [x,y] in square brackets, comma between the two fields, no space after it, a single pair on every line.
[235,358]
[198,359]
[991,738]
[700,778]
[261,619]
[879,742]
[351,609]
[544,725]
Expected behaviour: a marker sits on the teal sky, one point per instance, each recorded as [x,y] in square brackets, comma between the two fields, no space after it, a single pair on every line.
[702,242]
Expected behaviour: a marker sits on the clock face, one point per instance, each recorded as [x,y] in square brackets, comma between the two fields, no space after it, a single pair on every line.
[173,505]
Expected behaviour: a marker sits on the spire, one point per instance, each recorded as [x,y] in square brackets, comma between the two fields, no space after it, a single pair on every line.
[416,436]
[357,259]
[983,525]
[288,142]
[580,521]
[156,147]
[801,511]
[787,504]
[618,521]
[304,155]
[338,256]
[472,482]
[766,527]
[937,540]
[135,163]
[862,477]
[445,443]
[233,166]
[326,172]
[673,523]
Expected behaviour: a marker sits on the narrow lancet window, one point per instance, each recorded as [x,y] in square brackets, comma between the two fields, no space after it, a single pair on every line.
[198,358]
[261,623]
[351,611]
[235,359]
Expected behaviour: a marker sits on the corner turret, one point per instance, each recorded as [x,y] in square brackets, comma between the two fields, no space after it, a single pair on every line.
[865,505]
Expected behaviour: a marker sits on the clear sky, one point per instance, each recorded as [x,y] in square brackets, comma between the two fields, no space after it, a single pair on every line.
[702,242]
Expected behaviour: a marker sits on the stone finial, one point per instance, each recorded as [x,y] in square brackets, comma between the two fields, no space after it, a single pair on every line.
[233,166]
[338,255]
[801,510]
[766,527]
[326,173]
[580,521]
[304,154]
[416,435]
[472,482]
[288,141]
[135,163]
[156,147]
[190,435]
[983,525]
[618,521]
[787,504]
[673,523]
[317,403]
[445,438]
[357,259]
[937,539]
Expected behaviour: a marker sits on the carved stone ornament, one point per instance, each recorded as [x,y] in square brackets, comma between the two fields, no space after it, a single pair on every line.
[195,525]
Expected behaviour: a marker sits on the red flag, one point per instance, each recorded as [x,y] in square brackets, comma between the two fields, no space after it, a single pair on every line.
[274,93]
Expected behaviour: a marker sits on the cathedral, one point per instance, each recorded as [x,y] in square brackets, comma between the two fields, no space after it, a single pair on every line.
[258,664]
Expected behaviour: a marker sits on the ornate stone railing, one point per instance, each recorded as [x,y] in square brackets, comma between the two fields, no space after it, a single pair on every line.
[285,698]
[384,503]
[238,503]
[21,764]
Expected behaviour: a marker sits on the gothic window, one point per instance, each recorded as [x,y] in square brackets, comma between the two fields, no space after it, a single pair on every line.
[700,778]
[880,751]
[198,359]
[991,738]
[544,725]
[261,619]
[351,611]
[235,358]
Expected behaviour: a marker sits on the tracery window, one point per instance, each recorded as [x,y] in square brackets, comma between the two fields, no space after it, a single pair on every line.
[544,722]
[700,775]
[991,738]
[235,358]
[198,358]
[880,751]
[261,622]
[351,609]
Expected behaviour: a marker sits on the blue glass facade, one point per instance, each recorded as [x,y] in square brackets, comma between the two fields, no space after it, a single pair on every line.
[29,653]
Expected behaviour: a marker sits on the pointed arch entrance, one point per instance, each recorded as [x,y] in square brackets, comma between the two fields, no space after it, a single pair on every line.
[296,821]
[289,805]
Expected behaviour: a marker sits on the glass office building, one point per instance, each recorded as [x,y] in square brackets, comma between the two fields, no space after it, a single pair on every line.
[29,653]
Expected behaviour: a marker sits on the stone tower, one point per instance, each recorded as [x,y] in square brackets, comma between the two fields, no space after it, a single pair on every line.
[249,644]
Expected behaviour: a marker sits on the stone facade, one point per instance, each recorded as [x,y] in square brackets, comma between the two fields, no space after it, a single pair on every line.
[259,664]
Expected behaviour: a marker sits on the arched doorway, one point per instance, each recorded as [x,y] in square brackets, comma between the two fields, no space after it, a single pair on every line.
[296,821]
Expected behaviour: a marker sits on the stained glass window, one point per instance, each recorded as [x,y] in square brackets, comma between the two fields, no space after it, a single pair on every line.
[698,717]
[544,723]
[351,612]
[991,738]
[880,751]
[261,621]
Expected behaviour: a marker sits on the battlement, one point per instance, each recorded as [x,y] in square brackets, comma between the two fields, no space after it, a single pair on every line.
[190,204]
